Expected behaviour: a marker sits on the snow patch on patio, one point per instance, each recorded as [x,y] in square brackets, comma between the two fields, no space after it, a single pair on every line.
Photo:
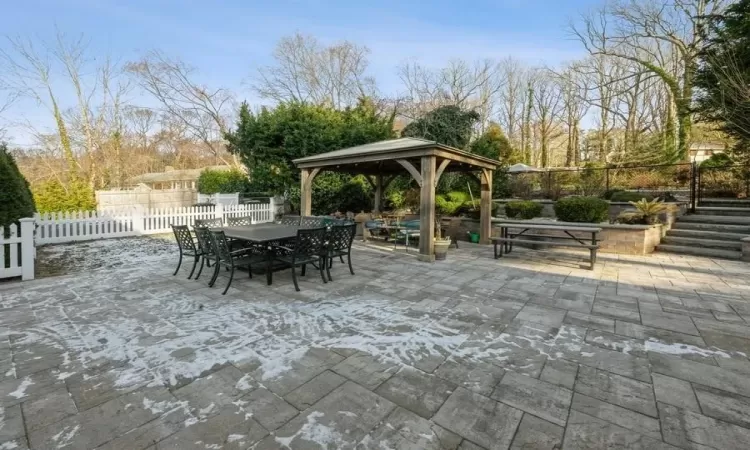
[314,432]
[20,392]
[686,349]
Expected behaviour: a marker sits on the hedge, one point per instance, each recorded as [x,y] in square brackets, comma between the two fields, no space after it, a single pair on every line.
[222,182]
[523,209]
[582,209]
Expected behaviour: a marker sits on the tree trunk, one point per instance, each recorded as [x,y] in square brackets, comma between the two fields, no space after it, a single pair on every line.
[527,127]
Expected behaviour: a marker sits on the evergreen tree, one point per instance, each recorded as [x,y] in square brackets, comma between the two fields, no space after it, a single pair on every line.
[16,201]
[724,74]
[448,125]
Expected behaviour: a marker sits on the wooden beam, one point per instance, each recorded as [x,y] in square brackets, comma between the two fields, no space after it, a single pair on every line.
[369,180]
[440,170]
[378,188]
[305,195]
[427,210]
[485,212]
[413,170]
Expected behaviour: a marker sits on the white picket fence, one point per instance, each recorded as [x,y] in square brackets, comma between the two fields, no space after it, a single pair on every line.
[18,250]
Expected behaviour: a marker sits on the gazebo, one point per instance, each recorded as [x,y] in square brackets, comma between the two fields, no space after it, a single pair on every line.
[425,160]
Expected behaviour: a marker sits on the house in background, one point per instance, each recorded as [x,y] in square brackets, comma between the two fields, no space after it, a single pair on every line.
[169,189]
[701,151]
[172,178]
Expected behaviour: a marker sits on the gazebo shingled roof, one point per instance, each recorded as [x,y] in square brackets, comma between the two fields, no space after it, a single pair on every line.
[424,160]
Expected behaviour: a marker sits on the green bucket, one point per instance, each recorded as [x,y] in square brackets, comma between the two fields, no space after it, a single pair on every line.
[473,237]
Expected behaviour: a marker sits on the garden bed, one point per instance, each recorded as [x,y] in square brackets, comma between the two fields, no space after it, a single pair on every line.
[615,208]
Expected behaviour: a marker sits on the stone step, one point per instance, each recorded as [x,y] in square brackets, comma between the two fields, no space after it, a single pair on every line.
[699,251]
[722,211]
[722,220]
[707,234]
[704,243]
[712,227]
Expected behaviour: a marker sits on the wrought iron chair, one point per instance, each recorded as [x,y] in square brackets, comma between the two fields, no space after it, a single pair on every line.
[311,222]
[210,223]
[243,221]
[290,220]
[230,259]
[203,236]
[340,238]
[309,248]
[187,247]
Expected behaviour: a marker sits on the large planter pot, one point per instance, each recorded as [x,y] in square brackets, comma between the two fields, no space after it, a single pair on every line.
[441,248]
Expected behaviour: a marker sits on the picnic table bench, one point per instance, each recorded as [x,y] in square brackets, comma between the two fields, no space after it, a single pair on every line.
[508,237]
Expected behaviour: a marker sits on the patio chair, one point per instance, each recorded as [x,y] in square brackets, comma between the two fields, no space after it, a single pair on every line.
[290,220]
[187,247]
[340,238]
[309,248]
[410,234]
[311,222]
[203,236]
[230,259]
[243,221]
[210,223]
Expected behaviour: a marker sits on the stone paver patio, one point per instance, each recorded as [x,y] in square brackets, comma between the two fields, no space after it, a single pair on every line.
[526,352]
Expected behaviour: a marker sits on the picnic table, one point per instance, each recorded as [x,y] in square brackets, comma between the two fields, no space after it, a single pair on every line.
[508,237]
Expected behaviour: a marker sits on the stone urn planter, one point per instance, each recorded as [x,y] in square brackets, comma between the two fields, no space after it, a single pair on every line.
[441,248]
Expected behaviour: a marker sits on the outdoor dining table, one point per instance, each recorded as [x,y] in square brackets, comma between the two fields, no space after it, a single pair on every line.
[263,234]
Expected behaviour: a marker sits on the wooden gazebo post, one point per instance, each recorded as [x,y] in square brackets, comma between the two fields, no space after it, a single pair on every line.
[485,207]
[427,210]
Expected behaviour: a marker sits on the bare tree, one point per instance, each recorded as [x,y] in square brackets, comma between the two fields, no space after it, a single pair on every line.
[27,72]
[574,91]
[643,31]
[307,71]
[204,111]
[511,99]
[547,107]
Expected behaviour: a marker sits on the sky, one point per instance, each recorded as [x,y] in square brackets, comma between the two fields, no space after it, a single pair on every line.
[226,41]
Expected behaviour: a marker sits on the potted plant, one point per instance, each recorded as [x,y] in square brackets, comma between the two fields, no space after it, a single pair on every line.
[443,207]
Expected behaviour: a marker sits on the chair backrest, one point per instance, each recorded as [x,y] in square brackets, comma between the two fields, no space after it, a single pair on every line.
[203,236]
[311,222]
[310,241]
[210,223]
[340,237]
[290,220]
[240,221]
[183,237]
[220,246]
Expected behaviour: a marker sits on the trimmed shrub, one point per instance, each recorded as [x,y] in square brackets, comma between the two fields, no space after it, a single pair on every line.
[582,209]
[629,196]
[523,209]
[222,182]
[16,201]
[607,195]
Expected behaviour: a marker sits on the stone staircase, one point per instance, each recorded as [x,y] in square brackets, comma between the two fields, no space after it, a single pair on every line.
[714,230]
